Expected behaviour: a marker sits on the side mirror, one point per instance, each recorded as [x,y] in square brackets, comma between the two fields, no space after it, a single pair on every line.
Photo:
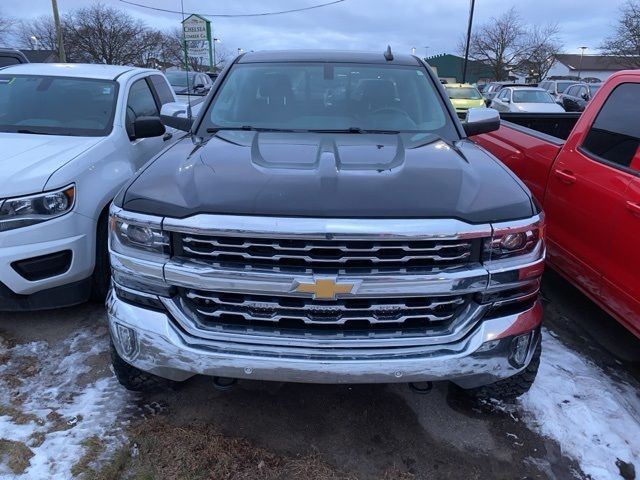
[585,96]
[481,120]
[147,127]
[176,115]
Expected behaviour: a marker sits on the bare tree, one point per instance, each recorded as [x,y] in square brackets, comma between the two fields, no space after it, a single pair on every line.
[101,34]
[41,28]
[543,45]
[625,42]
[501,44]
[6,28]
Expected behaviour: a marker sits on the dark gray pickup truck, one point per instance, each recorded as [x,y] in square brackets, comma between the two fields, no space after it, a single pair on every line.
[326,220]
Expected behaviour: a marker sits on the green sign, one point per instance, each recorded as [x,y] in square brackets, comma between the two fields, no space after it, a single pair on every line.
[197,38]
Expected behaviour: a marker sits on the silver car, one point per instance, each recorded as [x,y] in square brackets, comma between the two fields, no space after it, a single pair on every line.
[525,99]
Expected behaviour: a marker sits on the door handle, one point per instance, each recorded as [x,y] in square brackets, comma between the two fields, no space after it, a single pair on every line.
[565,176]
[167,136]
[634,208]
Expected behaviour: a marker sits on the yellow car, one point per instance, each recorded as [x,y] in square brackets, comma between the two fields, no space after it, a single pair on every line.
[464,96]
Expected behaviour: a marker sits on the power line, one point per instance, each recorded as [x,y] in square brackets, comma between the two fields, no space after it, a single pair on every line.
[264,14]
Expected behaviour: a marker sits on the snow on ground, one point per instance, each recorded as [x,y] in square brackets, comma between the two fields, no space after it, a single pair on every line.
[54,399]
[595,419]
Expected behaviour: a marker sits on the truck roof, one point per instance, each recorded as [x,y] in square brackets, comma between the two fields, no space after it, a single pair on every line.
[79,70]
[334,56]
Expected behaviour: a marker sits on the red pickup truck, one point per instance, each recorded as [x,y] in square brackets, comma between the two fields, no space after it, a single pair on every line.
[587,179]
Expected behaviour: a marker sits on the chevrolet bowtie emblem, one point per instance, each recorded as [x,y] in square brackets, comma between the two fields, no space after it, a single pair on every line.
[323,288]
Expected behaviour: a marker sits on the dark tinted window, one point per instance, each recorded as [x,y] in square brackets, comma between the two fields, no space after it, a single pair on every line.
[56,105]
[140,103]
[6,61]
[573,91]
[162,89]
[615,134]
[329,96]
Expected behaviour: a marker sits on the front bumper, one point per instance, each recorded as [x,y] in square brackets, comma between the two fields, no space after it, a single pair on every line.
[72,232]
[161,347]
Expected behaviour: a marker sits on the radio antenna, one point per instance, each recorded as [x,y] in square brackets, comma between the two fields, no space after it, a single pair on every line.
[186,66]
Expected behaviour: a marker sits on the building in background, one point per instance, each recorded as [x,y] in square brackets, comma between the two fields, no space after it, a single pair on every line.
[449,67]
[41,56]
[593,66]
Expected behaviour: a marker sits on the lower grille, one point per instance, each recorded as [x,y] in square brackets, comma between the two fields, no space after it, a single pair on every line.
[295,313]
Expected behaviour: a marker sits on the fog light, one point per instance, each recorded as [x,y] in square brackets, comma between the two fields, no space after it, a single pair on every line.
[128,340]
[486,346]
[520,347]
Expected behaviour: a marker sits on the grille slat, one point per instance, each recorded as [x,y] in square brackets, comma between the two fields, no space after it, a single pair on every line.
[345,313]
[327,255]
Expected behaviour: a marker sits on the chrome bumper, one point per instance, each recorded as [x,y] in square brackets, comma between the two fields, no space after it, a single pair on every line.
[162,348]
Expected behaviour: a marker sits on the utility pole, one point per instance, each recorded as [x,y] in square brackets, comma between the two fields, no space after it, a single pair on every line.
[56,19]
[466,49]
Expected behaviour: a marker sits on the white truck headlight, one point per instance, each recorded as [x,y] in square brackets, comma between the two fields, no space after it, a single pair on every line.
[138,236]
[40,207]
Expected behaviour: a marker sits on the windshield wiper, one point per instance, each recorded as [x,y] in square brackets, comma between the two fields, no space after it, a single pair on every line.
[35,132]
[354,130]
[248,128]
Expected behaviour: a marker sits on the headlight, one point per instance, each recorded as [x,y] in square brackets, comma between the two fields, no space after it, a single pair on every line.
[513,241]
[138,236]
[29,210]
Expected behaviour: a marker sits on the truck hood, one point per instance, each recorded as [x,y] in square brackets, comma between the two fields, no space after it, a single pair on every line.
[328,175]
[27,161]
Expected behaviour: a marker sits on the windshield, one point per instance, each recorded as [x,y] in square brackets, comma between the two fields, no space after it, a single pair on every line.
[531,96]
[179,79]
[464,93]
[562,86]
[325,96]
[56,105]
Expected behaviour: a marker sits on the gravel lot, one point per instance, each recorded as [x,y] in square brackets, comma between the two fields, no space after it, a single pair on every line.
[62,414]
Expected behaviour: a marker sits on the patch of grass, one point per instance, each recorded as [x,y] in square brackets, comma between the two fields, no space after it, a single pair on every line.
[161,450]
[36,439]
[17,416]
[93,448]
[15,454]
[58,423]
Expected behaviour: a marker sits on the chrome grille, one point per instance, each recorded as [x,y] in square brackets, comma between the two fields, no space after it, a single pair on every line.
[309,315]
[327,255]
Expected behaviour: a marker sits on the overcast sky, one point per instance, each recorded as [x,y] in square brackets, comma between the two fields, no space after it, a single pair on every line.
[359,24]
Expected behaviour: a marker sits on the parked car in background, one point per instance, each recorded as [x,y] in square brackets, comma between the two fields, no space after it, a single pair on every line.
[464,96]
[189,83]
[525,99]
[493,88]
[267,255]
[588,183]
[71,136]
[10,56]
[556,87]
[576,97]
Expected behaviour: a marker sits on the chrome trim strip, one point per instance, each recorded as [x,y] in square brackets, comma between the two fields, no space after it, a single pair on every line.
[326,228]
[201,276]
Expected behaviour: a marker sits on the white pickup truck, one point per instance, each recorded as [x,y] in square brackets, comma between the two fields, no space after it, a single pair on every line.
[70,135]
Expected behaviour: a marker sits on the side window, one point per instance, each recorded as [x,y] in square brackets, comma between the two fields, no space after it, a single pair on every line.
[615,134]
[572,91]
[5,61]
[140,103]
[162,89]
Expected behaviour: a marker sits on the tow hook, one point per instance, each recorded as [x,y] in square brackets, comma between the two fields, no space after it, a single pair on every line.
[224,383]
[421,388]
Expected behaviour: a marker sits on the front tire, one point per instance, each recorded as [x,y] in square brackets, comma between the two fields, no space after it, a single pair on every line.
[133,378]
[510,388]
